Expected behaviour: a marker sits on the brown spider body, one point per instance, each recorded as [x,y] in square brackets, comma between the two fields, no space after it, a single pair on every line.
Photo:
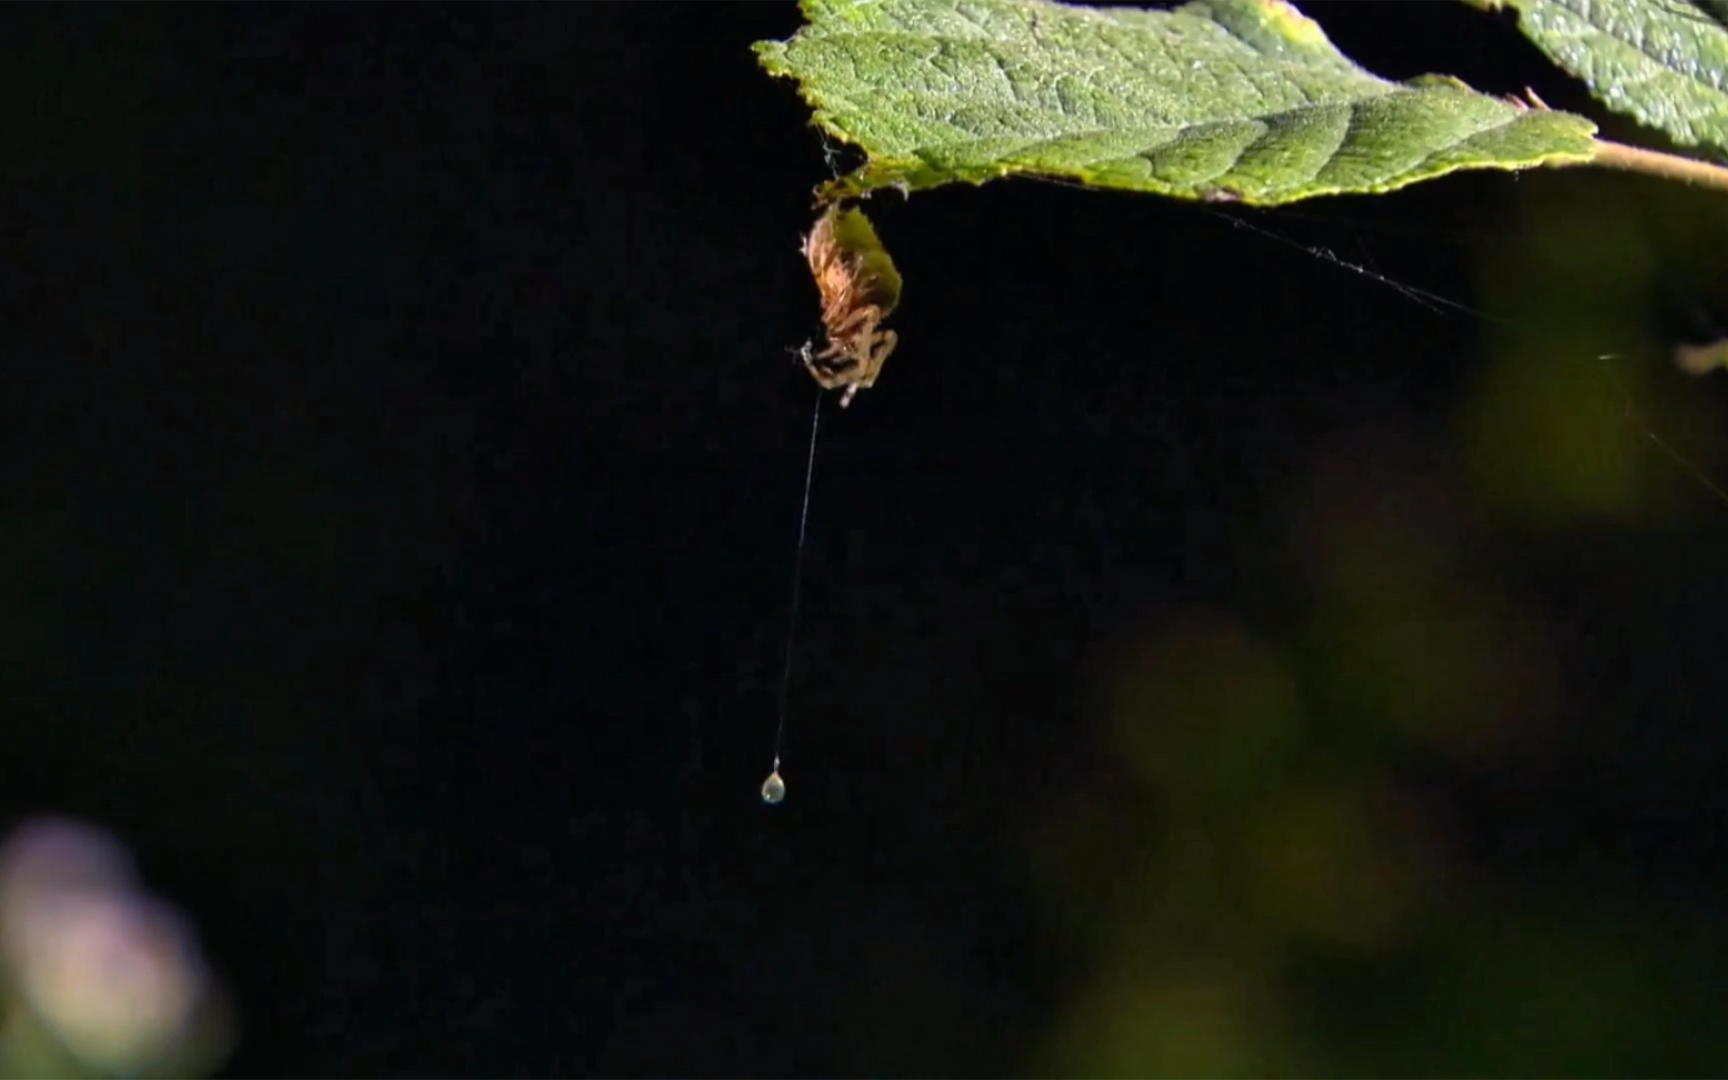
[859,288]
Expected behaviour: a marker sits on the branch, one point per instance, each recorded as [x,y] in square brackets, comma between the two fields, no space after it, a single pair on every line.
[1613,155]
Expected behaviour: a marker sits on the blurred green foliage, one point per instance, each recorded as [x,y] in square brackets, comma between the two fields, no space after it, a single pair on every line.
[1258,885]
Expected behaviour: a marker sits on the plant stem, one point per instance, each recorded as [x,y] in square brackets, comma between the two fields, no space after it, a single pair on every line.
[1613,155]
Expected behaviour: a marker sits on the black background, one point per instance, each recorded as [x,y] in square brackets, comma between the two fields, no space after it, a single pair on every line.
[401,462]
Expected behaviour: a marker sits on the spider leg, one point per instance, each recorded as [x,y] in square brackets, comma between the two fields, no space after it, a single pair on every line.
[824,368]
[873,351]
[884,346]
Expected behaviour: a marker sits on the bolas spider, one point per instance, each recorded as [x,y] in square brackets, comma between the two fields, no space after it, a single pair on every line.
[859,288]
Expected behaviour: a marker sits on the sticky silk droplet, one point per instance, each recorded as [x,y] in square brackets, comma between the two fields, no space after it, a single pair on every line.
[773,788]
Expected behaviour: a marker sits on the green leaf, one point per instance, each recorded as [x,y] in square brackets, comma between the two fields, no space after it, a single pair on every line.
[1225,100]
[1664,62]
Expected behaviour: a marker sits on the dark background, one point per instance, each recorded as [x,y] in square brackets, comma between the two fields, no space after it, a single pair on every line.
[401,461]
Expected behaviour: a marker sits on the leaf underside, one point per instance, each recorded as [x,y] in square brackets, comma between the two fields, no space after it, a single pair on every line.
[1663,62]
[1223,100]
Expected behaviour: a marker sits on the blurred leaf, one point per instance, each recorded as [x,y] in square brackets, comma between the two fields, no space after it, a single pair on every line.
[1226,100]
[1582,975]
[1547,429]
[1664,62]
[1144,1016]
[1203,711]
[1338,859]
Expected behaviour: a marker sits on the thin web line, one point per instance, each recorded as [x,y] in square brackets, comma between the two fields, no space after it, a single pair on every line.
[797,583]
[1436,303]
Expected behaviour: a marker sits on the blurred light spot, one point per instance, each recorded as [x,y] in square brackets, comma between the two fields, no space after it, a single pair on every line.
[102,978]
[1701,359]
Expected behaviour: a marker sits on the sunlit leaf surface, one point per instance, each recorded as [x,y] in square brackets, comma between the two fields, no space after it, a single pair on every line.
[1225,100]
[1664,62]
